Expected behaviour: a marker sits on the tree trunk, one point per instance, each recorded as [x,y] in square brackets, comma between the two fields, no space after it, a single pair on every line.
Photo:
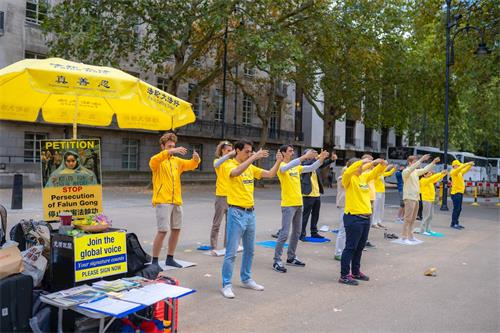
[264,134]
[328,126]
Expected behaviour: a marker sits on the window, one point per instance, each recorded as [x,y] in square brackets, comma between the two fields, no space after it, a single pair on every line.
[130,154]
[162,83]
[383,138]
[274,125]
[247,110]
[197,101]
[199,149]
[34,55]
[399,140]
[249,72]
[32,146]
[349,131]
[36,11]
[218,105]
[368,137]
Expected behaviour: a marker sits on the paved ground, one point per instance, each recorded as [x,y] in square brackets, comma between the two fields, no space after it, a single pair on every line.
[464,297]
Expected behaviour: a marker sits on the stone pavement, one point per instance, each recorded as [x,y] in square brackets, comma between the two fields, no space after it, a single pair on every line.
[463,297]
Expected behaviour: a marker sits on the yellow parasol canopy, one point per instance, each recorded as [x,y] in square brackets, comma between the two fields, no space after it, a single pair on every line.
[74,93]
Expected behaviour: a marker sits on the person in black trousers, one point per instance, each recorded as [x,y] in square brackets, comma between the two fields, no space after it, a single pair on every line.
[312,188]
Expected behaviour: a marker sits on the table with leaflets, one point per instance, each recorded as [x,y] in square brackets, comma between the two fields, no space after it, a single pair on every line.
[115,299]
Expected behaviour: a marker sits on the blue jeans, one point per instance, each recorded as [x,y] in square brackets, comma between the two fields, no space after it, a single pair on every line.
[357,229]
[240,225]
[457,207]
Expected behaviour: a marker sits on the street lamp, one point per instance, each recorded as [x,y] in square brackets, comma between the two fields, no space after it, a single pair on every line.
[450,58]
[224,68]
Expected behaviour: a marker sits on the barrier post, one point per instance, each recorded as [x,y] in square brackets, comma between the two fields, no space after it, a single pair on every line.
[498,190]
[475,203]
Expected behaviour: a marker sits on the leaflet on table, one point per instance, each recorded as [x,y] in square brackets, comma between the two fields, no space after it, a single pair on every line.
[121,284]
[154,293]
[76,295]
[113,307]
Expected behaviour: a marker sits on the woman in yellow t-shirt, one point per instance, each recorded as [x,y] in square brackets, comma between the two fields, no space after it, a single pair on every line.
[223,153]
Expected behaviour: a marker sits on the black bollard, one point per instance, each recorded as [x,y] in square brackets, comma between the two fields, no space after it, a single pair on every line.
[17,192]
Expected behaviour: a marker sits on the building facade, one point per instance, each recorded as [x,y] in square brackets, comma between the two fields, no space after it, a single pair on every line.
[126,153]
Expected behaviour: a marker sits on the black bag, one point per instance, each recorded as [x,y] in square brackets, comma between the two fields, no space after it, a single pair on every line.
[136,256]
[3,219]
[149,272]
[16,292]
[40,321]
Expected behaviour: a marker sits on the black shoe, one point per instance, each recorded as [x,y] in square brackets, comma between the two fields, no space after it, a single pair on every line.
[295,262]
[370,245]
[460,226]
[173,263]
[278,267]
[302,238]
[456,226]
[316,235]
[361,277]
[348,280]
[275,235]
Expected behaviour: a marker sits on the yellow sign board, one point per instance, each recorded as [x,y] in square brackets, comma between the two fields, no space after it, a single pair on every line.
[100,255]
[71,177]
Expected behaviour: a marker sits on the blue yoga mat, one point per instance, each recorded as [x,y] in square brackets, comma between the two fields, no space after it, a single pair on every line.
[204,248]
[434,234]
[269,244]
[317,240]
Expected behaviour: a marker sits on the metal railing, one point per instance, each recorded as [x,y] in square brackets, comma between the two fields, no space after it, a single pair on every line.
[213,129]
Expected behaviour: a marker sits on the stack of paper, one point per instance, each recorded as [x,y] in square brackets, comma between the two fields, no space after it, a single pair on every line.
[76,295]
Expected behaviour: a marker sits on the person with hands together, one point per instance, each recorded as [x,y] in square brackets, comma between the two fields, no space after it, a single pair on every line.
[428,192]
[224,153]
[357,213]
[312,188]
[411,194]
[241,215]
[291,202]
[167,196]
[457,190]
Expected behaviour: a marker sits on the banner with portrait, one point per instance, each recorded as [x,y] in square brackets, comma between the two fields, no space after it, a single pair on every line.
[71,177]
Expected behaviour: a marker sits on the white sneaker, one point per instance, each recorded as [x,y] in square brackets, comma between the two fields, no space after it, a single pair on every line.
[399,221]
[415,241]
[408,242]
[227,291]
[250,284]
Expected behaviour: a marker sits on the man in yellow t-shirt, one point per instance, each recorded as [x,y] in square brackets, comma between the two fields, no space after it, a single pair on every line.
[240,214]
[167,200]
[357,214]
[291,202]
[457,190]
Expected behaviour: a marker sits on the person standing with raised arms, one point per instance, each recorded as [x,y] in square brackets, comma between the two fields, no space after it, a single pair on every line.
[240,215]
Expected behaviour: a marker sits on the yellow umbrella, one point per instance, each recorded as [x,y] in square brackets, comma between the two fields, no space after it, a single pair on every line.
[69,92]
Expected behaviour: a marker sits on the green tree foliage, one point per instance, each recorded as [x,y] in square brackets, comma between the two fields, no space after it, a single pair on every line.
[382,62]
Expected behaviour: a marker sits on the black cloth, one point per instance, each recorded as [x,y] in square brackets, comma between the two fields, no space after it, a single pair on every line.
[312,206]
[305,178]
[357,229]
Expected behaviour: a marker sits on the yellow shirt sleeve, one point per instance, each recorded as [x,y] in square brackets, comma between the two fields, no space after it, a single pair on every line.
[349,172]
[187,165]
[390,172]
[257,172]
[156,160]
